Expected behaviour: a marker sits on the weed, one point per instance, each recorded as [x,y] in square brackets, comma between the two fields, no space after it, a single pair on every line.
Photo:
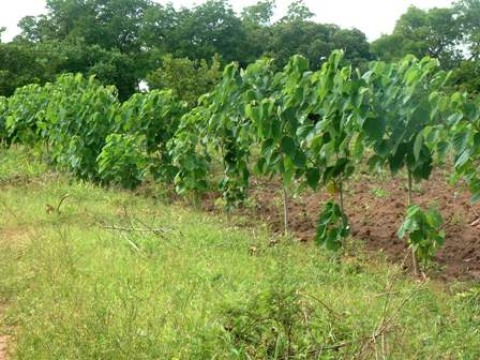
[379,192]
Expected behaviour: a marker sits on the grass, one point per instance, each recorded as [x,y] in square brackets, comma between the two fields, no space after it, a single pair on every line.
[379,192]
[118,276]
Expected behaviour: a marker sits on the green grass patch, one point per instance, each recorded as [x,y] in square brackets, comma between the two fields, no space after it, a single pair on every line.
[118,276]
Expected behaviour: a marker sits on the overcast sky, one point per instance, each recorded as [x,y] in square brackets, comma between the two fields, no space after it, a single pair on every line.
[373,17]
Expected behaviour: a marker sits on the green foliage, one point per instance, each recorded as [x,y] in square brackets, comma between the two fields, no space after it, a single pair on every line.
[423,230]
[305,38]
[156,117]
[123,160]
[338,106]
[259,14]
[310,128]
[256,20]
[466,77]
[73,116]
[21,65]
[79,116]
[189,154]
[436,33]
[271,325]
[25,114]
[276,117]
[211,28]
[468,12]
[307,128]
[230,129]
[402,111]
[122,42]
[91,38]
[297,10]
[449,34]
[463,128]
[332,227]
[254,328]
[355,45]
[113,24]
[3,120]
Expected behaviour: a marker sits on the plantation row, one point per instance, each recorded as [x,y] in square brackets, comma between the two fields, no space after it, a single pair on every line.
[308,128]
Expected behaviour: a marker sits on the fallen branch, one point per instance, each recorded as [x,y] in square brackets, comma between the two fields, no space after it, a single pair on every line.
[134,229]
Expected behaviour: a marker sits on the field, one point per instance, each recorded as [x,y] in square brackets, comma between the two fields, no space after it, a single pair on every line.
[168,192]
[375,207]
[120,275]
[288,215]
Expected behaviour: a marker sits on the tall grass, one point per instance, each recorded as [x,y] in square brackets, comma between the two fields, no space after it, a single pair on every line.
[117,276]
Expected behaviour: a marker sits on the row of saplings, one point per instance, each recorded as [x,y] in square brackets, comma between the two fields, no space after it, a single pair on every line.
[310,129]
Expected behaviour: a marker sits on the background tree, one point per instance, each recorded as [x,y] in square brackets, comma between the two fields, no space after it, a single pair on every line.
[91,37]
[436,33]
[316,42]
[122,41]
[468,12]
[21,65]
[256,20]
[297,10]
[355,45]
[2,30]
[188,79]
[161,29]
[212,28]
[466,76]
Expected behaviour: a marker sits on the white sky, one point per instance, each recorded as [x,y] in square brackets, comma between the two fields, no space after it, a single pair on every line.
[373,17]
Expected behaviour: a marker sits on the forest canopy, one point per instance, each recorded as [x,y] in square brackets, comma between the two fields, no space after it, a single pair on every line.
[124,42]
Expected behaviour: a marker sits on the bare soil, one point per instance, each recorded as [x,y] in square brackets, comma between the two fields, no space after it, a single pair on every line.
[376,208]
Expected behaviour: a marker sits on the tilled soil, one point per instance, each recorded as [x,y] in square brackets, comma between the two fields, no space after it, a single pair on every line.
[376,208]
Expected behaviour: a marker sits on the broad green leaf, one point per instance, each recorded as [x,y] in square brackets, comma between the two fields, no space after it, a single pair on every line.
[254,112]
[462,158]
[300,159]
[460,140]
[417,146]
[288,173]
[313,177]
[397,160]
[374,128]
[289,147]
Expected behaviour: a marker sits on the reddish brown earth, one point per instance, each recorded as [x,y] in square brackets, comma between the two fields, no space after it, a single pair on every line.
[376,208]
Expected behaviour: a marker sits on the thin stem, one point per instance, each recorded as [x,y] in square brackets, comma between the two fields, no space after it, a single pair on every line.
[285,210]
[410,189]
[410,203]
[344,220]
[196,200]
